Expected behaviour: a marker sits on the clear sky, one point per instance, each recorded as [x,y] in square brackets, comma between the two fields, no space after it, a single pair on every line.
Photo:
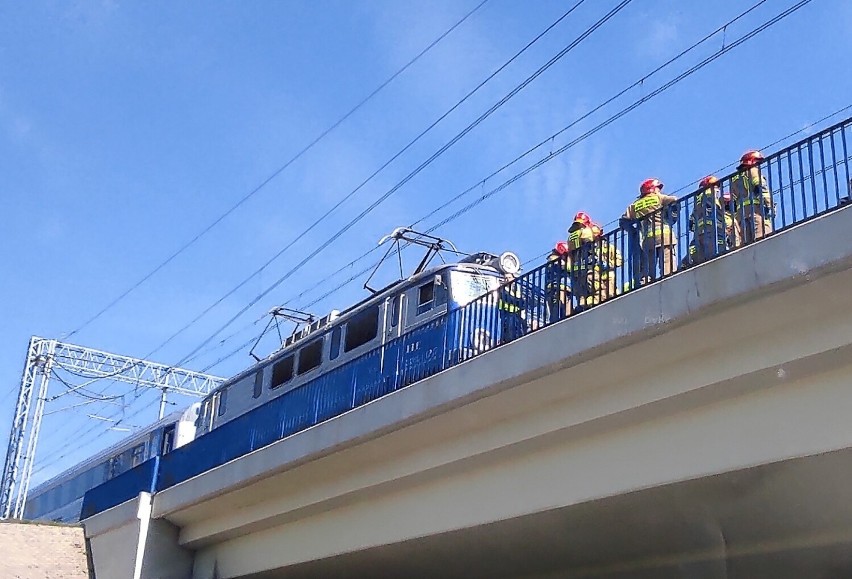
[126,128]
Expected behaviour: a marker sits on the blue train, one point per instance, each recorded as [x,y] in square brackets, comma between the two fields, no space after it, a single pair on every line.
[401,334]
[60,498]
[331,344]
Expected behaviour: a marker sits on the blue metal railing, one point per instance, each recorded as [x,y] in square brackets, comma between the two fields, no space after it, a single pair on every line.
[788,188]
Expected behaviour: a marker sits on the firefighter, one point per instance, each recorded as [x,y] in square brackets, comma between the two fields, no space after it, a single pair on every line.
[712,224]
[511,308]
[556,286]
[657,239]
[752,198]
[584,273]
[608,259]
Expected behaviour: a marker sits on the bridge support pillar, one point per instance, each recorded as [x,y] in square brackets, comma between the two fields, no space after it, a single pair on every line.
[126,542]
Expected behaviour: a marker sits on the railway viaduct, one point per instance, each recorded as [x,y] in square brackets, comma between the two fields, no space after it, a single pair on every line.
[697,427]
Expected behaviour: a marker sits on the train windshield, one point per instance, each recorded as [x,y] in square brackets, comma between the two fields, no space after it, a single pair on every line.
[466,286]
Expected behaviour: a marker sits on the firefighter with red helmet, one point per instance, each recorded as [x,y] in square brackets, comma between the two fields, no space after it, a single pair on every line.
[752,198]
[657,239]
[711,221]
[557,288]
[585,281]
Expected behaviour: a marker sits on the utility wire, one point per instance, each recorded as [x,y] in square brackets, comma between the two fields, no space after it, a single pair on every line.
[387,194]
[621,113]
[275,174]
[368,179]
[549,139]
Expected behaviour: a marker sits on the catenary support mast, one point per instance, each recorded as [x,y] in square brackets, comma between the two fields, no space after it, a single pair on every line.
[43,356]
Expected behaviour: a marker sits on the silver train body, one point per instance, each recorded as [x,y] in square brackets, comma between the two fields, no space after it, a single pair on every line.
[61,497]
[340,338]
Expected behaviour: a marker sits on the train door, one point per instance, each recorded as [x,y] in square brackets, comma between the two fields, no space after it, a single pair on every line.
[395,317]
[392,344]
[423,341]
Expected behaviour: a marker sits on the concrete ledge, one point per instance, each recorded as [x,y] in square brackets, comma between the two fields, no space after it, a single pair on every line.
[118,516]
[782,261]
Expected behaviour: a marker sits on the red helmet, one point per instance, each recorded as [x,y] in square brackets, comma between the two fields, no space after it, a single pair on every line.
[751,158]
[582,217]
[649,185]
[709,181]
[561,248]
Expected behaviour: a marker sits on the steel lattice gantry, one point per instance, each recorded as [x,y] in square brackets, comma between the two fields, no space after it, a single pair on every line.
[42,356]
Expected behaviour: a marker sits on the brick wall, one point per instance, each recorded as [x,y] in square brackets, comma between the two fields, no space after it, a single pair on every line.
[42,551]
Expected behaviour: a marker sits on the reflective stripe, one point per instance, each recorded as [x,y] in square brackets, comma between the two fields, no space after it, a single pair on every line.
[589,267]
[658,232]
[647,204]
[579,237]
[711,223]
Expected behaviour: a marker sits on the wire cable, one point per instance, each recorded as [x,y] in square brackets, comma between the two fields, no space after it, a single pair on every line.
[368,179]
[275,173]
[640,101]
[721,52]
[390,192]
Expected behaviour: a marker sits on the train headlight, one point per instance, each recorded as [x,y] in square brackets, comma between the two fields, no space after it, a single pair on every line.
[509,263]
[481,340]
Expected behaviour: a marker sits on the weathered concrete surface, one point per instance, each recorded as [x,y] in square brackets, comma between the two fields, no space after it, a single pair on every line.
[42,551]
[127,544]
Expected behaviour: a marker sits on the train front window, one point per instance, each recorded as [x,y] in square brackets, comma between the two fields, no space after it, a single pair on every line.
[425,297]
[466,287]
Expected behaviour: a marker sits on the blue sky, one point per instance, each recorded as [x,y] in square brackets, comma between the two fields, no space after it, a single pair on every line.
[127,128]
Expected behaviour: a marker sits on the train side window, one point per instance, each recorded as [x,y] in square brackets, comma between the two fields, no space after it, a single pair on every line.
[168,440]
[258,385]
[425,297]
[310,356]
[334,350]
[137,457]
[114,468]
[362,328]
[223,402]
[282,372]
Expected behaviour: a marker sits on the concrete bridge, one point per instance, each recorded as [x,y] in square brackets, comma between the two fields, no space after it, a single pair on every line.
[697,427]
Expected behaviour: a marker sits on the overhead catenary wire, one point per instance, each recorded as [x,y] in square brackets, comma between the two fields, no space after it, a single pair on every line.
[396,187]
[679,78]
[721,52]
[372,176]
[274,174]
[572,124]
[550,138]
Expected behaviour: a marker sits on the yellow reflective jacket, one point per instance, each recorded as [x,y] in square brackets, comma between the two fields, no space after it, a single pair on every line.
[648,208]
[749,188]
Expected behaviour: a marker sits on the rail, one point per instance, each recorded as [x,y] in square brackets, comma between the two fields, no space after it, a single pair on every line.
[790,187]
